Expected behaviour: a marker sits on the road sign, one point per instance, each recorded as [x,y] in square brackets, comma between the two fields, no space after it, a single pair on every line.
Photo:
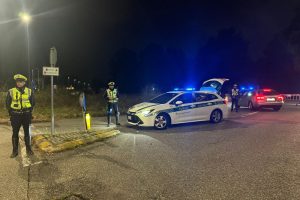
[50,71]
[53,56]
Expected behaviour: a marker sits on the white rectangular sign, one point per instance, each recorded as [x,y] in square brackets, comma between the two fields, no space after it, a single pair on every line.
[50,71]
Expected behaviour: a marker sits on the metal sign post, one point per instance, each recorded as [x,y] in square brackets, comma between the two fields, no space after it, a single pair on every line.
[82,103]
[52,71]
[86,116]
[53,60]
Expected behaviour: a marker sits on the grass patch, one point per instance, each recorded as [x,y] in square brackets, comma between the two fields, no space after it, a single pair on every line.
[66,104]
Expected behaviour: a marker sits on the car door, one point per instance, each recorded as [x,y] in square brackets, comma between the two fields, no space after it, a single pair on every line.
[205,104]
[184,112]
[245,98]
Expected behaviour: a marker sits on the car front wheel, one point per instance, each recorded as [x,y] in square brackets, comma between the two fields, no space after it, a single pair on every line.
[161,121]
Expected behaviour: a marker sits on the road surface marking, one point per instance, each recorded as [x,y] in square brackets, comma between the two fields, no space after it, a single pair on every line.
[249,114]
[134,139]
[26,161]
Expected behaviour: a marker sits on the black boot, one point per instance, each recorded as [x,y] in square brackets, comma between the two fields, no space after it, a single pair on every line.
[28,146]
[108,120]
[117,120]
[29,151]
[15,143]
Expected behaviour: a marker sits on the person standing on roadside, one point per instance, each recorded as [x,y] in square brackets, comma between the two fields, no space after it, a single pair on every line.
[112,97]
[19,103]
[235,98]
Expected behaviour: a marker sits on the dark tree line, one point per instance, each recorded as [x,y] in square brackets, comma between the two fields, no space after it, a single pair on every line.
[225,55]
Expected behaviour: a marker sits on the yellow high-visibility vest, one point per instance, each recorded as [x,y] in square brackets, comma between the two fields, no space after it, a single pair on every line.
[112,95]
[19,100]
[235,92]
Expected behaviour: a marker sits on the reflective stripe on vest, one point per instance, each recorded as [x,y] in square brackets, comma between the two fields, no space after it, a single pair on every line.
[19,100]
[235,92]
[112,95]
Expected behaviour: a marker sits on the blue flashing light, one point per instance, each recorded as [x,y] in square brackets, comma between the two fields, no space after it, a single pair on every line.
[184,89]
[243,88]
[190,89]
[251,88]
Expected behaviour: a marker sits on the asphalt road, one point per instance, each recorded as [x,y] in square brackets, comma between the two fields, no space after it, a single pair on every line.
[252,155]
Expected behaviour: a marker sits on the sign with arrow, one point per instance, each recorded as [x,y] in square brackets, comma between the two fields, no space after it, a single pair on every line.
[50,71]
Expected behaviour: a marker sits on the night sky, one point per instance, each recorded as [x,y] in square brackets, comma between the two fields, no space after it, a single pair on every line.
[156,42]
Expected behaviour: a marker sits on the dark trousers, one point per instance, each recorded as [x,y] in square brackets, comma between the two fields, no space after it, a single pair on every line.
[235,104]
[18,120]
[112,107]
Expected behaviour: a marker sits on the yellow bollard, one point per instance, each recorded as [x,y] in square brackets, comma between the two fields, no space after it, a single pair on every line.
[88,121]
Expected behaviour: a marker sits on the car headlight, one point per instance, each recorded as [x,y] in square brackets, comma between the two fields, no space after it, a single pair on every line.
[147,112]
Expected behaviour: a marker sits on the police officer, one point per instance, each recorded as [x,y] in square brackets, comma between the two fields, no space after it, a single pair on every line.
[235,98]
[112,96]
[19,103]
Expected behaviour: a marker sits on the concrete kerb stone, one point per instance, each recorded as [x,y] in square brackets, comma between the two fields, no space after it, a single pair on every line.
[60,142]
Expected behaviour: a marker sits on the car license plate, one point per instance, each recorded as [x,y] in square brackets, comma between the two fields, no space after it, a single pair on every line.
[129,117]
[270,99]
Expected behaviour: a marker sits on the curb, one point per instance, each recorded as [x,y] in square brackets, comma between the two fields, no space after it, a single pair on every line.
[46,143]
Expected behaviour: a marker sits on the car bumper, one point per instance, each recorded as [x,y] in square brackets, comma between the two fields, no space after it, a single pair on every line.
[268,104]
[140,120]
[225,111]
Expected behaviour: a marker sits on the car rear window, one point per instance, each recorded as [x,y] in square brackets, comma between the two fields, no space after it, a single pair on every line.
[267,92]
[213,84]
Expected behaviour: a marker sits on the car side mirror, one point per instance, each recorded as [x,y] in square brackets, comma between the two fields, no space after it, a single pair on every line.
[178,103]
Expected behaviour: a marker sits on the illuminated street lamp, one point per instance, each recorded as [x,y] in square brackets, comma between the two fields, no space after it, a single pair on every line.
[25,17]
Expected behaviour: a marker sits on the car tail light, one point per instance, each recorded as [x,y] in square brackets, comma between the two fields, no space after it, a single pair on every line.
[280,98]
[226,100]
[267,90]
[260,98]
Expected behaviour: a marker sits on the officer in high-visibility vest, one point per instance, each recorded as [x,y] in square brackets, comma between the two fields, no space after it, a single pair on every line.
[19,103]
[112,97]
[235,98]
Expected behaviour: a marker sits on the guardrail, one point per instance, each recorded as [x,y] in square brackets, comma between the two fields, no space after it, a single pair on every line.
[293,98]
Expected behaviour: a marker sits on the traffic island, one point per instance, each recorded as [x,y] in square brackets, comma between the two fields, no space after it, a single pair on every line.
[49,143]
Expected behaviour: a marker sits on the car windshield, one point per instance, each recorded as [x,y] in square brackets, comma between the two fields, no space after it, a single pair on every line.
[164,98]
[213,84]
[267,92]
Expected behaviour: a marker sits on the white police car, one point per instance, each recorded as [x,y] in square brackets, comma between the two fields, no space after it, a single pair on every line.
[178,107]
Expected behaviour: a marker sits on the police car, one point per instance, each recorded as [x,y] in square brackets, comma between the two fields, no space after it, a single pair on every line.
[178,107]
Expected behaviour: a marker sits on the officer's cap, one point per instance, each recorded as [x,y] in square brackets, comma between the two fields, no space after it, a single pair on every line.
[20,77]
[111,84]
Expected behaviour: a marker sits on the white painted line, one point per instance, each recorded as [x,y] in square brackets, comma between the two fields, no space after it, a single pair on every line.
[25,160]
[249,114]
[134,140]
